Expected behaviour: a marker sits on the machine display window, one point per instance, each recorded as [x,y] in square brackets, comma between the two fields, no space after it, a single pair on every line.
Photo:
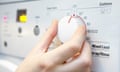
[21,16]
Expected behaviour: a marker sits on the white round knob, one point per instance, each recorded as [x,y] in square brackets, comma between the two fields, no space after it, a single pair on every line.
[67,26]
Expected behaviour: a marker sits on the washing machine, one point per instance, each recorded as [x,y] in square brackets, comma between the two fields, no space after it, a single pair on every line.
[23,22]
[9,63]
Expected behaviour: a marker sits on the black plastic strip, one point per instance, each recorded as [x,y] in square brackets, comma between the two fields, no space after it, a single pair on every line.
[13,2]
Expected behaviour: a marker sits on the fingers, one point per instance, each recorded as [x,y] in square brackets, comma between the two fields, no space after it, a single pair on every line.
[85,57]
[48,36]
[81,64]
[86,53]
[67,50]
[80,33]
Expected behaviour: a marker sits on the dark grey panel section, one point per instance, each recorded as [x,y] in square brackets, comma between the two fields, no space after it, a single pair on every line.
[15,1]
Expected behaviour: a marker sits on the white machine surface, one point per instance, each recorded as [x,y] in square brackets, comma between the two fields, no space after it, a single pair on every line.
[23,23]
[9,63]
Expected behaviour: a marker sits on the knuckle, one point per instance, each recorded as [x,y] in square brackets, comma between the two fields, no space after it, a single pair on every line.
[74,49]
[46,64]
[52,34]
[75,46]
[87,63]
[82,28]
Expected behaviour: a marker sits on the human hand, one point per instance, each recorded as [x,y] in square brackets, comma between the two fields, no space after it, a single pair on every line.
[72,56]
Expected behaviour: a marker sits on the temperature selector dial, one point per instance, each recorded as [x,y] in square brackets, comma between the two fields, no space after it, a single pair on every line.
[67,26]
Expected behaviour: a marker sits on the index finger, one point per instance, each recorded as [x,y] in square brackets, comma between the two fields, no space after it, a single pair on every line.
[48,37]
[68,49]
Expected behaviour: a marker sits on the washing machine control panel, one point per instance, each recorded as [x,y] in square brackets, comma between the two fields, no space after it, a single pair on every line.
[22,24]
